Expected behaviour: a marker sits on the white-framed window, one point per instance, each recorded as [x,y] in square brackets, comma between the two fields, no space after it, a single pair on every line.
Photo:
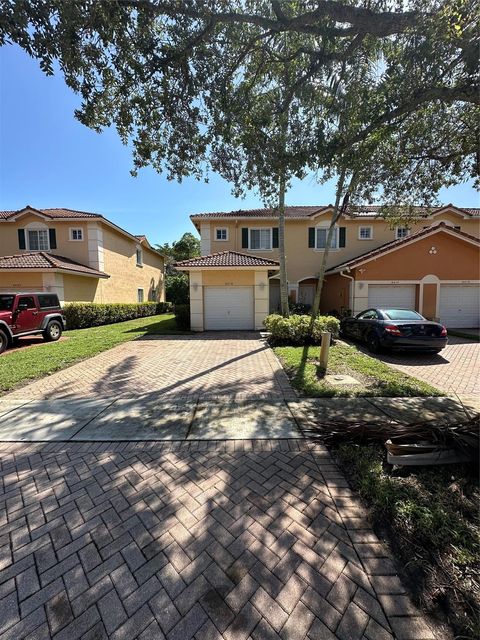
[76,235]
[401,232]
[321,234]
[260,239]
[139,254]
[221,234]
[140,295]
[365,233]
[37,240]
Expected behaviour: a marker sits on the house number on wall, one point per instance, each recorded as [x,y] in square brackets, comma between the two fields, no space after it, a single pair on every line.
[229,284]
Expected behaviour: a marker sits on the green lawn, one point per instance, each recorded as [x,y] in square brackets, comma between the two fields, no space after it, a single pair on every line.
[20,365]
[375,377]
[430,517]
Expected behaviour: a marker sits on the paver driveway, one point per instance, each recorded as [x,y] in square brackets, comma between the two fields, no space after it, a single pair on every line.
[229,540]
[456,369]
[237,365]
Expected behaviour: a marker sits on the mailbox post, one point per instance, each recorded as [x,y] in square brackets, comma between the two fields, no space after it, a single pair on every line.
[324,349]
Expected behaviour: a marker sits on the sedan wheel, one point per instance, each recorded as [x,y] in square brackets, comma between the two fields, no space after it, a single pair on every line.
[373,343]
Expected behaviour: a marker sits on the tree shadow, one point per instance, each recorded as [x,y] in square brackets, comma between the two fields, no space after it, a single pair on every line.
[200,536]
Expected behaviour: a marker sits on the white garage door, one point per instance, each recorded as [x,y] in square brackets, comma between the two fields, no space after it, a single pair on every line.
[394,296]
[228,308]
[460,305]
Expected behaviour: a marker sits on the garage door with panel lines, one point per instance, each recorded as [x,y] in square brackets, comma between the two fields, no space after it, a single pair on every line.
[228,308]
[460,305]
[397,296]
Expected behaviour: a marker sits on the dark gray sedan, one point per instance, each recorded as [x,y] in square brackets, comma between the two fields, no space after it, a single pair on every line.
[395,329]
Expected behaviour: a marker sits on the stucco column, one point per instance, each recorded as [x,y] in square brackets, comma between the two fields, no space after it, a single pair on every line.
[293,292]
[96,258]
[261,298]
[54,282]
[196,301]
[205,239]
[360,297]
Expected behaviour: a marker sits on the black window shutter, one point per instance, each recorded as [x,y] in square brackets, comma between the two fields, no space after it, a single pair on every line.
[244,238]
[311,237]
[343,236]
[275,238]
[21,239]
[53,238]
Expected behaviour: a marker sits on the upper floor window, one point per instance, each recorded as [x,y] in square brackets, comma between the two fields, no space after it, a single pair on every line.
[321,234]
[139,257]
[38,240]
[221,234]
[401,232]
[76,234]
[260,239]
[365,233]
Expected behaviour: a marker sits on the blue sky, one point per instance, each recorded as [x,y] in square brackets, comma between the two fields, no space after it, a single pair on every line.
[48,159]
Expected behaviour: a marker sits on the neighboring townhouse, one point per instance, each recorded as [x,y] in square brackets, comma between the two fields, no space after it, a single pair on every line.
[83,257]
[431,265]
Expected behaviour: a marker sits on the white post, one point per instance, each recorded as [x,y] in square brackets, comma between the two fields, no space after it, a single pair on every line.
[324,349]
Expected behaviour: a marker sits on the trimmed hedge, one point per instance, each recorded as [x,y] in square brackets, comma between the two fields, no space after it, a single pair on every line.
[295,329]
[182,316]
[80,315]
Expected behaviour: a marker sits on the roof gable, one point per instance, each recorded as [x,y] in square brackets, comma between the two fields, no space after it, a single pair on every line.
[395,245]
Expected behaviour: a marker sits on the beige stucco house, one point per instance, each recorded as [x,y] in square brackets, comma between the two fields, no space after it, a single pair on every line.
[81,256]
[431,265]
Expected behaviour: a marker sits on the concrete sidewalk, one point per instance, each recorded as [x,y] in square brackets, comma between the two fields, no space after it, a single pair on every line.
[150,418]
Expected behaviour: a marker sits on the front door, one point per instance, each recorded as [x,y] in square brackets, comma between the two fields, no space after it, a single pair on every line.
[25,315]
[306,293]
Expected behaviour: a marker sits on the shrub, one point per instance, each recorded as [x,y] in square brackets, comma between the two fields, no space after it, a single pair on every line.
[80,315]
[295,329]
[182,316]
[177,288]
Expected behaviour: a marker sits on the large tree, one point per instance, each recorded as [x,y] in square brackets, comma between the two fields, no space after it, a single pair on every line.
[265,90]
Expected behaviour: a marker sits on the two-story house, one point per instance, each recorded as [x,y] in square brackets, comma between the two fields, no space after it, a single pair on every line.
[431,265]
[83,257]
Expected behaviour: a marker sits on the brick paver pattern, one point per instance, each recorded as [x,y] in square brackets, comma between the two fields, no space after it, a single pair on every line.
[230,364]
[204,540]
[456,369]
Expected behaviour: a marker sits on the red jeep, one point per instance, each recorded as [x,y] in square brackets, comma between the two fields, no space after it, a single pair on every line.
[28,314]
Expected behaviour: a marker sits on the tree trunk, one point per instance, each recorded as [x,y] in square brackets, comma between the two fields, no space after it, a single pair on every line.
[338,211]
[281,248]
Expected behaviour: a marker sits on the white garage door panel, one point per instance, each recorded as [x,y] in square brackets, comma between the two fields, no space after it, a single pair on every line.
[393,296]
[460,305]
[228,308]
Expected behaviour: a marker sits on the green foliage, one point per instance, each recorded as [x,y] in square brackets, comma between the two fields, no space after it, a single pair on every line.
[19,365]
[177,288]
[187,247]
[295,329]
[433,521]
[91,314]
[182,316]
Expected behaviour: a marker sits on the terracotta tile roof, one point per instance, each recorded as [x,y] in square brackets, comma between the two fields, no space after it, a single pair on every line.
[227,259]
[51,213]
[44,260]
[305,212]
[290,212]
[398,243]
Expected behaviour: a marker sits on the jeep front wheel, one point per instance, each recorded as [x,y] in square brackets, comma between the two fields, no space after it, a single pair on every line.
[53,331]
[3,341]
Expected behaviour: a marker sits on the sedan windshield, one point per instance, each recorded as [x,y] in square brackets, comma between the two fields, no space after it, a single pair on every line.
[6,303]
[402,314]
